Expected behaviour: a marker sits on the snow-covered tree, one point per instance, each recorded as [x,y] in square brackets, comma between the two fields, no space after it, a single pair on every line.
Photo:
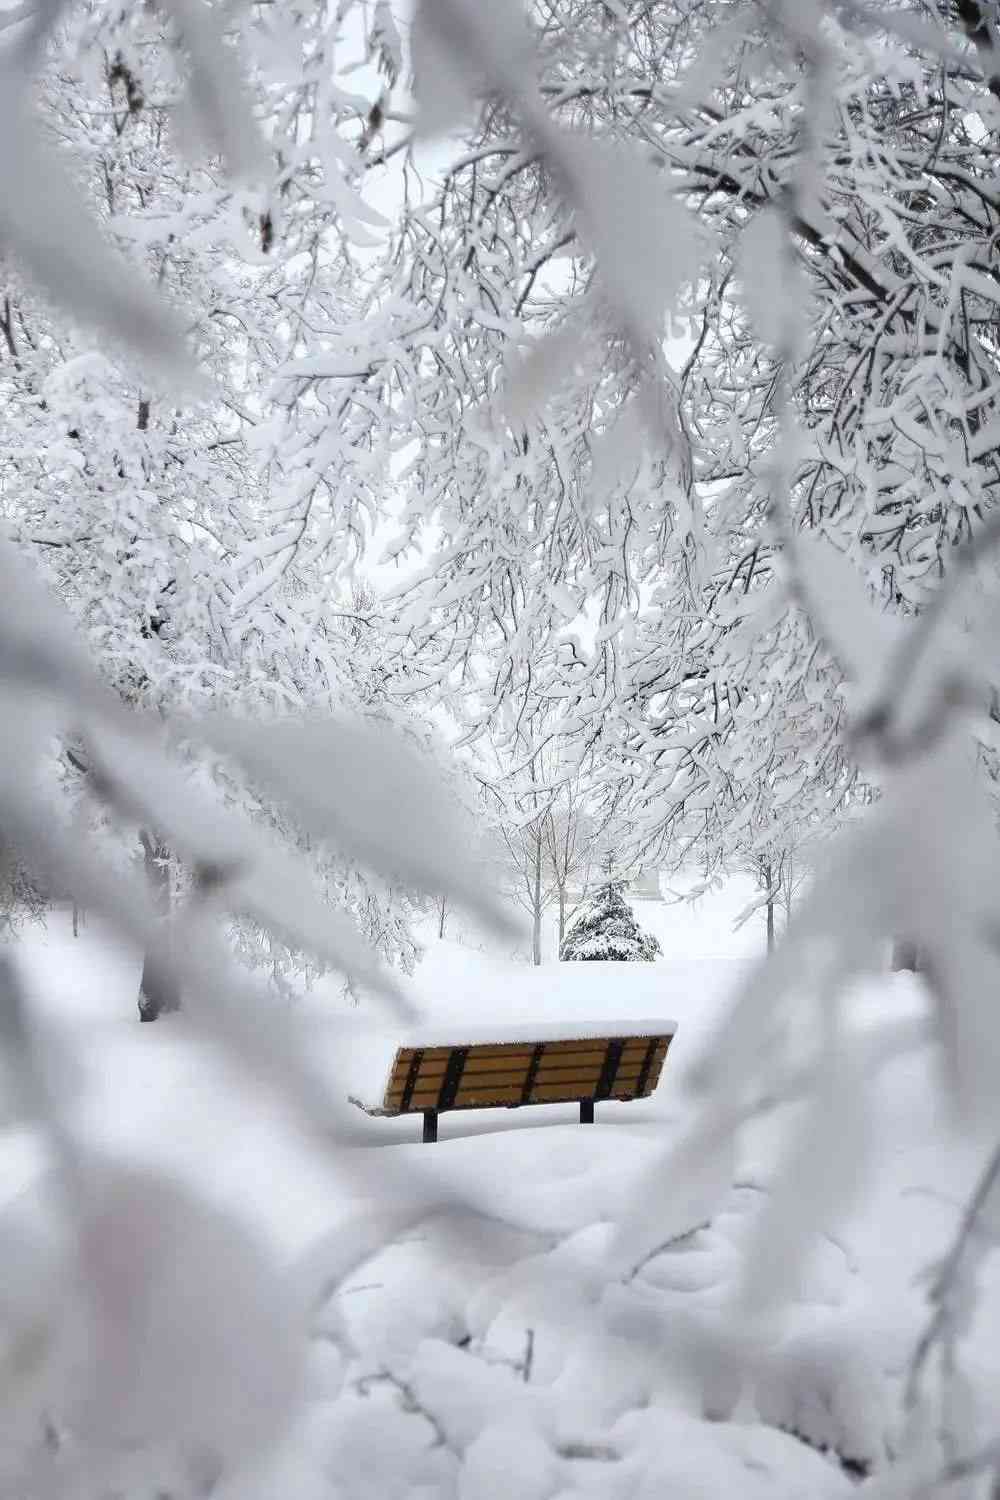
[162,526]
[637,583]
[606,929]
[550,821]
[574,834]
[21,898]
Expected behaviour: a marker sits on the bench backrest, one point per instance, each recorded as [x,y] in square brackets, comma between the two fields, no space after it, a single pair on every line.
[487,1075]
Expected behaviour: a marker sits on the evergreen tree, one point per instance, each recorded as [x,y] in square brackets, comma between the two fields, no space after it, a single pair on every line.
[606,930]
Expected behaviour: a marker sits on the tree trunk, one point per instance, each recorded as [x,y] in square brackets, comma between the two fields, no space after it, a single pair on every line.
[770,908]
[905,955]
[562,915]
[158,989]
[442,913]
[536,906]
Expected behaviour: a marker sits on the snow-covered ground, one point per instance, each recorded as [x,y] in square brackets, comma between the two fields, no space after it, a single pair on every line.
[556,1321]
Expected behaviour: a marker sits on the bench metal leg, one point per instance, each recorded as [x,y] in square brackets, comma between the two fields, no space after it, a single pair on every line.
[586,1111]
[430,1125]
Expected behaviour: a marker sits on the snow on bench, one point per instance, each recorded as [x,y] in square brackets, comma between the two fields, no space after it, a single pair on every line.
[510,1067]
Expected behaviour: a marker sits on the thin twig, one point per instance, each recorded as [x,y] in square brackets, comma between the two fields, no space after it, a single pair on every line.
[948,1273]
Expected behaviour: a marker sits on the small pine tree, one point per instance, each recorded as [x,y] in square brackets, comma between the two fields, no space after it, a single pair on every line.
[606,929]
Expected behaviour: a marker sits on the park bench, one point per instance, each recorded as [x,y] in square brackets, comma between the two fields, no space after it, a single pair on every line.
[551,1066]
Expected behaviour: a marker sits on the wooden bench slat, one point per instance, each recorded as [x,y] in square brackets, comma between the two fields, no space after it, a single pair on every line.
[487,1080]
[553,1069]
[479,1064]
[513,1089]
[437,1066]
[631,1051]
[427,1099]
[499,1049]
[483,1055]
[502,1095]
[595,1044]
[477,1049]
[588,1056]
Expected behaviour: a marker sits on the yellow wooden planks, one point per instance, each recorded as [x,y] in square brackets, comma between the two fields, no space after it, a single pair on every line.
[482,1075]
